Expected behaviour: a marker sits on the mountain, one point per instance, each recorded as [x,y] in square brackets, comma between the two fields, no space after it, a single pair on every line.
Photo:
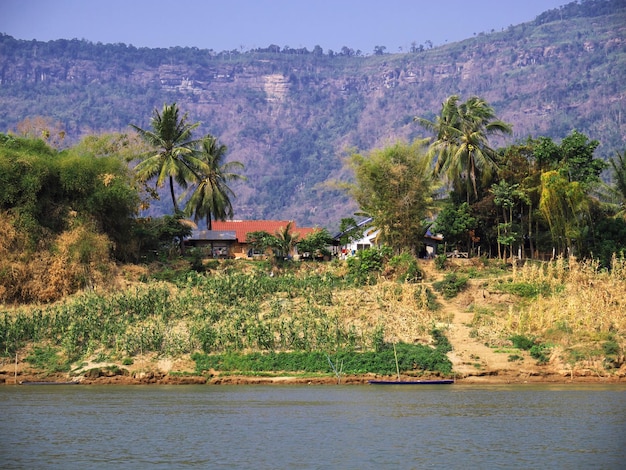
[291,115]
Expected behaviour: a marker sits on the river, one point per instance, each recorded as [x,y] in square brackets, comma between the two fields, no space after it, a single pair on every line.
[313,427]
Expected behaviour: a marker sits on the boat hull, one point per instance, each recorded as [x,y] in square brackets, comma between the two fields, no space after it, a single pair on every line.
[412,382]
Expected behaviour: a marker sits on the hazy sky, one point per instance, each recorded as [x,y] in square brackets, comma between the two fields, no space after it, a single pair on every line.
[235,24]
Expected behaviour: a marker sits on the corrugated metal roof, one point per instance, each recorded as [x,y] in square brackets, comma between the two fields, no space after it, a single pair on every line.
[214,235]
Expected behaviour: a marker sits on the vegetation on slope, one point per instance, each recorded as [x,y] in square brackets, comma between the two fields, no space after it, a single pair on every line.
[311,318]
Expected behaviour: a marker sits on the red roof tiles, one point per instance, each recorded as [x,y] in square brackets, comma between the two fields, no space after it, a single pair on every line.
[243,227]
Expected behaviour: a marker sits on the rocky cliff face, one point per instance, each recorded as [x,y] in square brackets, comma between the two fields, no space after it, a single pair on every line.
[290,118]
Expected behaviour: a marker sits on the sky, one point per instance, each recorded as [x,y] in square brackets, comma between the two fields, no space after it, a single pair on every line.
[224,25]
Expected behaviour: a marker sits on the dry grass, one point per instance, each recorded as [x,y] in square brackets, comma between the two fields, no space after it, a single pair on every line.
[585,306]
[400,308]
[76,259]
[592,301]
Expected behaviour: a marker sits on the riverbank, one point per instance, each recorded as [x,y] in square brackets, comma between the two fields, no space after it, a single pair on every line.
[160,378]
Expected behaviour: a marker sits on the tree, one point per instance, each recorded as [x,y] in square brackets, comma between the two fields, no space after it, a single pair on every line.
[456,224]
[282,242]
[45,128]
[349,230]
[577,161]
[565,206]
[173,147]
[285,241]
[461,147]
[316,243]
[395,187]
[618,165]
[379,50]
[505,196]
[211,197]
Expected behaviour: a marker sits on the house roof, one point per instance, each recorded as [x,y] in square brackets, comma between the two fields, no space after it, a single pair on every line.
[243,227]
[214,235]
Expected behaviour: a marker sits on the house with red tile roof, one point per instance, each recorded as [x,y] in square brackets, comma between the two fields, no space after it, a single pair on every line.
[228,239]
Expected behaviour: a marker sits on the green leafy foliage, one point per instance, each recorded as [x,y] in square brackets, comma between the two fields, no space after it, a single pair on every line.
[316,243]
[46,358]
[522,342]
[406,268]
[455,224]
[451,285]
[529,290]
[365,266]
[411,358]
[395,187]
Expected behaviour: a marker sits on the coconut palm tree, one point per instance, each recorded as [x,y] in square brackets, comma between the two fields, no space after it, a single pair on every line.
[461,148]
[211,196]
[445,127]
[173,149]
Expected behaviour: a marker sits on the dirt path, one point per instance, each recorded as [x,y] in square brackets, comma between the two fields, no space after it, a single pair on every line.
[469,356]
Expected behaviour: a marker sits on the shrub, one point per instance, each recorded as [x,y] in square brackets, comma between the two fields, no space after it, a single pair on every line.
[610,348]
[451,285]
[47,359]
[540,352]
[441,261]
[364,267]
[522,342]
[406,267]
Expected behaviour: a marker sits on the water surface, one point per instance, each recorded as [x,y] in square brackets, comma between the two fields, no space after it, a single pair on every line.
[313,427]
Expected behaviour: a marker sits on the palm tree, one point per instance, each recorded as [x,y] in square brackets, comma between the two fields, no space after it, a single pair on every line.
[211,197]
[460,149]
[444,126]
[171,138]
[285,240]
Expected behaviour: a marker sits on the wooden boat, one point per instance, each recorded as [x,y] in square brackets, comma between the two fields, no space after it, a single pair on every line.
[412,382]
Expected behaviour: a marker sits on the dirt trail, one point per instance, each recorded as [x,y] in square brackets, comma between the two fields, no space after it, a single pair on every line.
[469,356]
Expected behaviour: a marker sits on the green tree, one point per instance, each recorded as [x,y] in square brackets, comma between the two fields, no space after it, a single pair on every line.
[285,240]
[172,154]
[349,230]
[506,196]
[456,224]
[211,196]
[618,166]
[565,206]
[577,161]
[282,242]
[316,243]
[395,187]
[461,147]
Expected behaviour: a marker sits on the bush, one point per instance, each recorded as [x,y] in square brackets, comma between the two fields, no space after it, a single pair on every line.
[364,267]
[522,342]
[525,289]
[406,268]
[451,285]
[47,359]
[610,348]
[441,261]
[540,352]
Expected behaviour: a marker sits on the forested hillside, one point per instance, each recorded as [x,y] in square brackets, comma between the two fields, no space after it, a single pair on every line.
[292,115]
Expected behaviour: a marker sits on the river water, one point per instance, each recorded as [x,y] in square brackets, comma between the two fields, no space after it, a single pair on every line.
[313,427]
